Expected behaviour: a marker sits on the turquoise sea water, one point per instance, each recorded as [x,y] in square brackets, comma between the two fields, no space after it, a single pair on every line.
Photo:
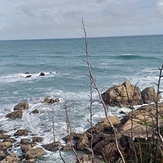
[113,59]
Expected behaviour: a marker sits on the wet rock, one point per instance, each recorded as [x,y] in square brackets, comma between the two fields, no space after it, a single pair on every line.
[12,158]
[15,114]
[122,112]
[51,100]
[37,139]
[34,112]
[28,76]
[21,132]
[21,106]
[35,153]
[123,95]
[52,146]
[42,74]
[5,145]
[149,95]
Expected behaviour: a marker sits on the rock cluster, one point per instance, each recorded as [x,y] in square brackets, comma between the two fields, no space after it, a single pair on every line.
[104,139]
[127,94]
[27,146]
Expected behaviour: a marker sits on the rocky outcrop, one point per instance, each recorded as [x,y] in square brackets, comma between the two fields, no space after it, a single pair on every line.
[141,121]
[123,95]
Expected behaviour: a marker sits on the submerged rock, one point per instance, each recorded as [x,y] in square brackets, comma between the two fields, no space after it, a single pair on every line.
[42,74]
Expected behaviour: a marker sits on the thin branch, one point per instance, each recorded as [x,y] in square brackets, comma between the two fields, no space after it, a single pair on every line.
[69,135]
[99,93]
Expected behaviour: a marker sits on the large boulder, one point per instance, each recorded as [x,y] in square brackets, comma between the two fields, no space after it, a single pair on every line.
[149,95]
[123,95]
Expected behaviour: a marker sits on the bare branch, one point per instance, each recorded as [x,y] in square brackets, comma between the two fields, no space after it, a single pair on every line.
[92,79]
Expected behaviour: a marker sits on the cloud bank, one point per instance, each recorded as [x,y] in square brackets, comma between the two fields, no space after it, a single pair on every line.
[27,19]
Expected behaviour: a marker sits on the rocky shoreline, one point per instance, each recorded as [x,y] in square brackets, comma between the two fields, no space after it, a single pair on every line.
[137,125]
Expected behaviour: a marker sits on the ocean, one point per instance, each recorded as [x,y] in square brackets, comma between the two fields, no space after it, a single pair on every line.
[114,60]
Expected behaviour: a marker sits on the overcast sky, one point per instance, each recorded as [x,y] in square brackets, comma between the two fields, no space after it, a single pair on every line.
[35,19]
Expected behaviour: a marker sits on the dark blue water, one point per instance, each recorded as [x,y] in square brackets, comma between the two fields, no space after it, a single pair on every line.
[113,60]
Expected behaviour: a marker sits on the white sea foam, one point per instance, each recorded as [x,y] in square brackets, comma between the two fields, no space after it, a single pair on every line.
[23,77]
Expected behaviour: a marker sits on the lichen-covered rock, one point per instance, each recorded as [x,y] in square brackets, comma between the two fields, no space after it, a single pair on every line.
[123,95]
[21,106]
[35,153]
[15,114]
